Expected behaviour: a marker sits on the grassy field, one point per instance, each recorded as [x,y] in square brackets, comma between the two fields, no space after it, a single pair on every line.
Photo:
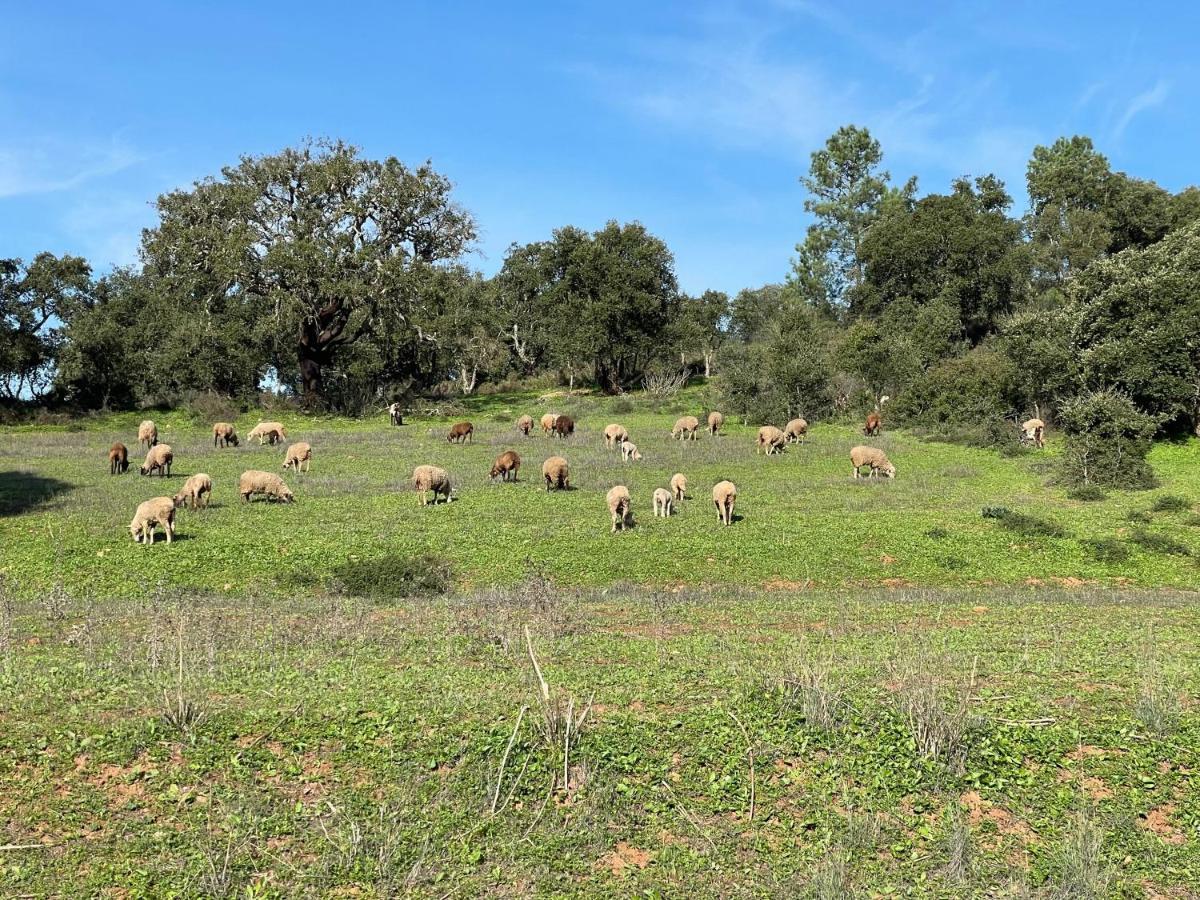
[801,519]
[858,689]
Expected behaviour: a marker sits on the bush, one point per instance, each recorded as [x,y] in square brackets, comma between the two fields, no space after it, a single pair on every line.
[1023,524]
[1088,493]
[1108,439]
[1158,543]
[1107,550]
[207,407]
[395,577]
[1171,503]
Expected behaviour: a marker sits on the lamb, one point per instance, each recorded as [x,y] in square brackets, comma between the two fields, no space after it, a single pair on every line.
[270,485]
[615,435]
[795,430]
[158,459]
[396,413]
[507,463]
[873,425]
[630,451]
[272,432]
[1033,432]
[619,505]
[118,459]
[431,478]
[678,485]
[548,421]
[715,421]
[147,434]
[156,513]
[556,473]
[196,491]
[724,494]
[662,503]
[875,458]
[298,454]
[564,426]
[461,433]
[224,435]
[525,425]
[686,428]
[770,439]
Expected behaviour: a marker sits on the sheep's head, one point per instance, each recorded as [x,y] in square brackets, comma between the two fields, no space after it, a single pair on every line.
[143,469]
[179,499]
[889,471]
[135,531]
[287,496]
[232,439]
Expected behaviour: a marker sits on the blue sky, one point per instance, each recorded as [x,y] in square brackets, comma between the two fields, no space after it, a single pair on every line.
[695,118]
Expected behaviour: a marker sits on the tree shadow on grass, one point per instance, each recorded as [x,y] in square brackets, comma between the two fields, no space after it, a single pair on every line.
[22,491]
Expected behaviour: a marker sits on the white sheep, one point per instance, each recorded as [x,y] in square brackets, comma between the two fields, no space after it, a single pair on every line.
[270,485]
[547,422]
[615,435]
[298,454]
[795,430]
[267,431]
[685,428]
[195,492]
[159,512]
[620,505]
[770,439]
[556,473]
[431,478]
[147,434]
[875,458]
[629,451]
[715,421]
[724,494]
[678,485]
[1033,432]
[662,503]
[158,459]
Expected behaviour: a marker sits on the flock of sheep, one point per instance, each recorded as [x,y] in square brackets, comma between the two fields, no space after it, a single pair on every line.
[159,512]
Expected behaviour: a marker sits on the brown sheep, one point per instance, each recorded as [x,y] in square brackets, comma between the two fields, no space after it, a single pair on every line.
[556,473]
[678,485]
[507,463]
[724,495]
[548,421]
[715,421]
[461,433]
[268,432]
[147,434]
[159,512]
[158,459]
[875,458]
[686,428]
[873,426]
[770,439]
[299,454]
[619,506]
[224,435]
[118,459]
[564,426]
[662,503]
[1033,432]
[630,451]
[525,425]
[270,485]
[795,430]
[196,491]
[615,435]
[431,478]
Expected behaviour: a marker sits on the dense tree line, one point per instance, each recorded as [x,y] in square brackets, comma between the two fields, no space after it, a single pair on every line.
[346,282]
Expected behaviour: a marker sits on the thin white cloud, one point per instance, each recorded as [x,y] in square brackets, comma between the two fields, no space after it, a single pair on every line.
[1142,102]
[52,165]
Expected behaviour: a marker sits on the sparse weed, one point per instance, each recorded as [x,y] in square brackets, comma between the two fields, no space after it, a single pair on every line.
[1083,873]
[936,709]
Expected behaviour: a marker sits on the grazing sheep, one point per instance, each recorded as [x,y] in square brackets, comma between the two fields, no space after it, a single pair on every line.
[196,491]
[158,459]
[118,459]
[461,433]
[795,430]
[678,485]
[770,439]
[548,421]
[564,426]
[299,454]
[619,506]
[686,428]
[724,495]
[268,484]
[873,425]
[272,432]
[507,463]
[397,414]
[556,473]
[147,434]
[662,503]
[224,435]
[875,458]
[525,425]
[715,421]
[630,451]
[1033,432]
[615,435]
[431,478]
[159,512]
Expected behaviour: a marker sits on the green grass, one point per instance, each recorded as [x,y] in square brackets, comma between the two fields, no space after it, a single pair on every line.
[801,518]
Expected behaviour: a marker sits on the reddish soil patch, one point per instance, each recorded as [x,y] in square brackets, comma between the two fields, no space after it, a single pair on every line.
[626,856]
[980,811]
[1158,821]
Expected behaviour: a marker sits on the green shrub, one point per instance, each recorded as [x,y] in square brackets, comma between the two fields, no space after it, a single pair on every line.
[1162,544]
[395,577]
[1024,524]
[1107,550]
[1137,515]
[1108,438]
[1088,493]
[1171,503]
